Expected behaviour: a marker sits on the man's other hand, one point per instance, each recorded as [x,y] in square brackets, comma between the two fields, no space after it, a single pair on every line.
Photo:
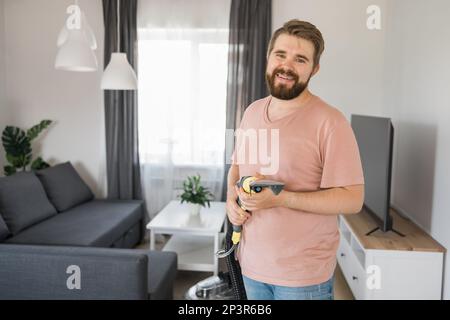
[236,215]
[257,201]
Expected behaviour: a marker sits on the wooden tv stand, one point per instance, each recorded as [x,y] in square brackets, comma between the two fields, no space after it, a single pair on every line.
[387,265]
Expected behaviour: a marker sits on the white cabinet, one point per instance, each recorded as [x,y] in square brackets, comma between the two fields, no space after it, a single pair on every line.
[387,266]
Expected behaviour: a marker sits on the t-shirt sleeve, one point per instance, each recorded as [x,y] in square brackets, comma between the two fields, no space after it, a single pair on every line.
[233,157]
[341,162]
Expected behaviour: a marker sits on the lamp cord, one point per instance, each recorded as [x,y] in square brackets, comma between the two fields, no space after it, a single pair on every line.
[118,25]
[78,7]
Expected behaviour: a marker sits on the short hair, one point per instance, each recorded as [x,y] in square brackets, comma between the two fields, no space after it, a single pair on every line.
[304,30]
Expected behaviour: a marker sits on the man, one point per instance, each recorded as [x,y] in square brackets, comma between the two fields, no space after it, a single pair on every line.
[289,242]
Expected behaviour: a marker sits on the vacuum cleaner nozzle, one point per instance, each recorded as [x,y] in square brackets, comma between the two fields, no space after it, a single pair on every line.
[252,184]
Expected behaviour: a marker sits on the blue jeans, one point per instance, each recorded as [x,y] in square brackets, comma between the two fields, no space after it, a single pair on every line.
[263,291]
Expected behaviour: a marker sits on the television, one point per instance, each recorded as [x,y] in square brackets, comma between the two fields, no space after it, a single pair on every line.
[375,141]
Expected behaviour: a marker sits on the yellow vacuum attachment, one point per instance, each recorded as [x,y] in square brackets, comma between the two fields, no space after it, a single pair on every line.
[245,183]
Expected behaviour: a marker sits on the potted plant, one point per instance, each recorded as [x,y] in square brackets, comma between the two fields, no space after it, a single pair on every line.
[17,144]
[195,194]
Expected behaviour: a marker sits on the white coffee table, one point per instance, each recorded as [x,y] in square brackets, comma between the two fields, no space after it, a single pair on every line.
[195,239]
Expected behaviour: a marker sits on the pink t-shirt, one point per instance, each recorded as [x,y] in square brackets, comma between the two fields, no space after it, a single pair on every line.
[317,149]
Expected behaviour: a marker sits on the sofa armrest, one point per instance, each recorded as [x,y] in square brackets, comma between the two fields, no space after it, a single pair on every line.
[56,272]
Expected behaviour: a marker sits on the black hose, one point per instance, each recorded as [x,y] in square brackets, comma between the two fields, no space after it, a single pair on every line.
[234,268]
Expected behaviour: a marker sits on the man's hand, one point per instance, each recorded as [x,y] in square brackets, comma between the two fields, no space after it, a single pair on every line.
[236,215]
[257,201]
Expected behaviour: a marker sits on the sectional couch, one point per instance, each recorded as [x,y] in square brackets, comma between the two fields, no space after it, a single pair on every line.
[58,242]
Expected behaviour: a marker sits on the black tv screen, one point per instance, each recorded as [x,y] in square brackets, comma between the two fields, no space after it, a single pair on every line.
[375,141]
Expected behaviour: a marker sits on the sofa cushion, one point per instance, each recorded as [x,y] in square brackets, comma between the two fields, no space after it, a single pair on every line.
[162,271]
[23,201]
[39,272]
[96,223]
[130,239]
[64,186]
[4,231]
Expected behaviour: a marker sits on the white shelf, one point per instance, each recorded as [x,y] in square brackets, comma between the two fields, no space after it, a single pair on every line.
[404,274]
[358,251]
[345,232]
[195,253]
[195,238]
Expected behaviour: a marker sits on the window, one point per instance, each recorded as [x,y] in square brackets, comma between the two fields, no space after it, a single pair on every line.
[182,96]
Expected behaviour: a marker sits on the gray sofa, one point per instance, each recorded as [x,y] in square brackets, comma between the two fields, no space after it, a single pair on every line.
[58,242]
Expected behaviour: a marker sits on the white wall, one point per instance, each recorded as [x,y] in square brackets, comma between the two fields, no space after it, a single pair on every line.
[417,97]
[36,91]
[402,72]
[4,112]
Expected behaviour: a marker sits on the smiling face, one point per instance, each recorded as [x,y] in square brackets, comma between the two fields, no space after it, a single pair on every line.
[290,66]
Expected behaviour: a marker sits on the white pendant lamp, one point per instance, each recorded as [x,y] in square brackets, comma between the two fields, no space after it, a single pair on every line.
[87,30]
[76,48]
[119,75]
[76,54]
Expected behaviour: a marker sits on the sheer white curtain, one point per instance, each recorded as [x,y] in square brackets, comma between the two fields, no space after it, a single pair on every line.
[183,50]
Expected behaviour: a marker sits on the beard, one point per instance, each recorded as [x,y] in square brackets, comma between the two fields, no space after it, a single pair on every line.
[281,91]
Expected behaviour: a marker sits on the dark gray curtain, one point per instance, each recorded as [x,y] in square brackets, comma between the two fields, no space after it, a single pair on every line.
[250,32]
[121,118]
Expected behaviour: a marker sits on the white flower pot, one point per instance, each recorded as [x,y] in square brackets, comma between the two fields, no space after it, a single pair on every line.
[194,209]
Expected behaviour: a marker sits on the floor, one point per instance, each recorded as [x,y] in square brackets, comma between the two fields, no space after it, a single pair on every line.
[186,279]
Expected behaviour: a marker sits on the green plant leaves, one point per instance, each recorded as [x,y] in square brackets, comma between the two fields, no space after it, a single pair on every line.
[17,145]
[9,170]
[15,142]
[17,162]
[39,164]
[34,131]
[194,192]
